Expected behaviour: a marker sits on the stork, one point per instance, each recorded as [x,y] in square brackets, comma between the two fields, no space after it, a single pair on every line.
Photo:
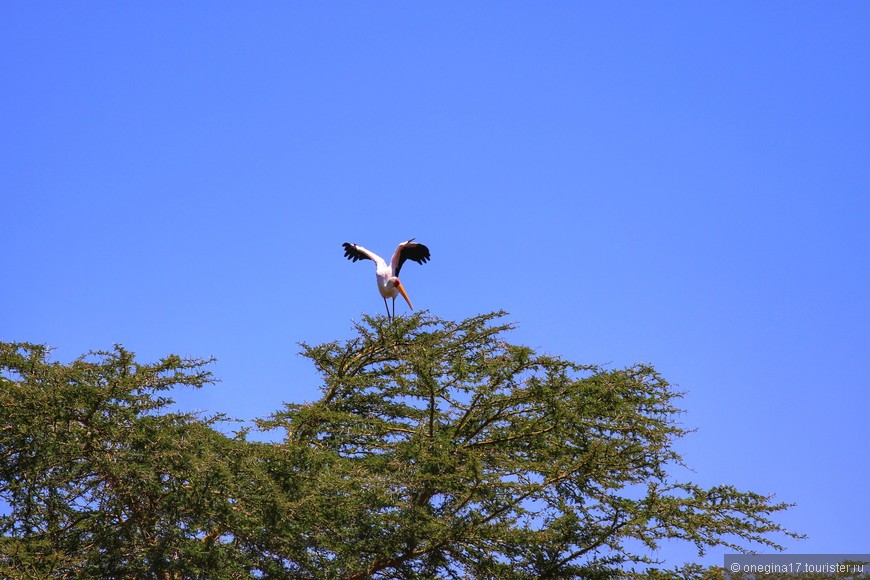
[388,274]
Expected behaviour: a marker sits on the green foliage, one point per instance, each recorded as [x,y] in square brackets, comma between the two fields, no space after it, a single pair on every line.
[444,450]
[99,481]
[437,449]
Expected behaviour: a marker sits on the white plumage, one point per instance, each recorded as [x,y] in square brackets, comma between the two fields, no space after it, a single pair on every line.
[389,285]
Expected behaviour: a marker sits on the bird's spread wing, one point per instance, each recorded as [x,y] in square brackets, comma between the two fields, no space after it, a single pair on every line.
[409,250]
[354,252]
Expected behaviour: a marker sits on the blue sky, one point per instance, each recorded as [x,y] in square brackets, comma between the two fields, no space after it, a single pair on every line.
[678,183]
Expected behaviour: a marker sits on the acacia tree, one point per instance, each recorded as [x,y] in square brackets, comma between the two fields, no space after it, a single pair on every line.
[98,479]
[437,449]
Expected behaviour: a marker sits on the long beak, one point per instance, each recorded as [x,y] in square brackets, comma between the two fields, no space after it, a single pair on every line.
[404,294]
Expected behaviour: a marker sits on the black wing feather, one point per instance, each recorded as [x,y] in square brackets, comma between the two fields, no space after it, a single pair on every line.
[415,252]
[352,254]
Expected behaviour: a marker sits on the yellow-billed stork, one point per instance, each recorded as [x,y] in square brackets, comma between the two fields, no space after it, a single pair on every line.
[388,274]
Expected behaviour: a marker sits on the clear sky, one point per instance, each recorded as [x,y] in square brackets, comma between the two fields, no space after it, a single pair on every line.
[680,183]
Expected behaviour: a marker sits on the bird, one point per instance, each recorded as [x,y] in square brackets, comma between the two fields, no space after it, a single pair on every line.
[388,274]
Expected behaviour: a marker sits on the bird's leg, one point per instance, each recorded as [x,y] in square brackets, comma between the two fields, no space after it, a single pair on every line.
[394,306]
[388,308]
